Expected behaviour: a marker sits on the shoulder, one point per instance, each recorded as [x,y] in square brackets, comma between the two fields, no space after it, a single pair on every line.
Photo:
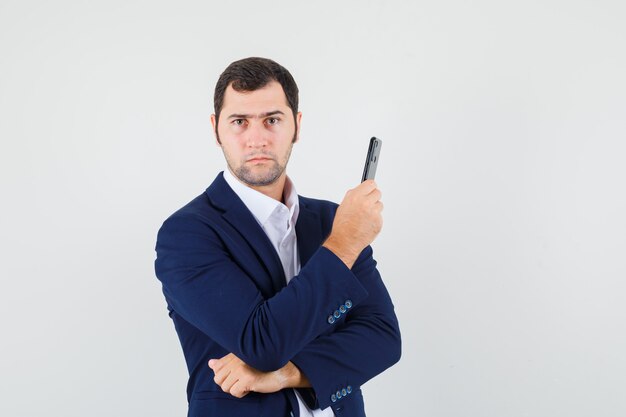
[195,216]
[209,205]
[199,207]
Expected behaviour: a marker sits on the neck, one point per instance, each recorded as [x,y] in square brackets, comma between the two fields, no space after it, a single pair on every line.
[274,190]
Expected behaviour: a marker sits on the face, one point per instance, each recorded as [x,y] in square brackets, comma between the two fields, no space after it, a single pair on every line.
[256,132]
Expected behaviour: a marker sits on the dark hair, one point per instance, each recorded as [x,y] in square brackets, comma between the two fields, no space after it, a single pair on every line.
[250,74]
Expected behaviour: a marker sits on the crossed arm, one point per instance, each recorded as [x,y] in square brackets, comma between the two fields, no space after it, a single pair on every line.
[351,351]
[363,346]
[237,378]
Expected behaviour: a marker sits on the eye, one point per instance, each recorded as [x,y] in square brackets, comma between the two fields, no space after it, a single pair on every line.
[273,121]
[238,122]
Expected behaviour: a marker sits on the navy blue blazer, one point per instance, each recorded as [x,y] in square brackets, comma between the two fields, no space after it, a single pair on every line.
[226,292]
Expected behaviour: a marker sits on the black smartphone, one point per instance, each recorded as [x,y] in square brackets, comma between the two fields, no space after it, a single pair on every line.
[371,162]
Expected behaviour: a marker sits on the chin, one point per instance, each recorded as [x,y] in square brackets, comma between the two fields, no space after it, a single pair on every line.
[259,174]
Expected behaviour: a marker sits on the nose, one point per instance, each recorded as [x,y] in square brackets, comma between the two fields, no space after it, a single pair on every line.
[256,135]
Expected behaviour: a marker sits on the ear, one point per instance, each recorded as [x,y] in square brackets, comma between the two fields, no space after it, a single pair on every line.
[298,122]
[215,135]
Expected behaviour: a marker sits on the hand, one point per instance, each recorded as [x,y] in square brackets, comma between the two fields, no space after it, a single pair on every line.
[357,222]
[237,378]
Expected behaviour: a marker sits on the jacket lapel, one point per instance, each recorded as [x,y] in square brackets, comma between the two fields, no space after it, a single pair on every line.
[308,232]
[241,219]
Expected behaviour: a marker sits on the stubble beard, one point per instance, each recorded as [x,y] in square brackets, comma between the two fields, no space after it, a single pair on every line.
[245,174]
[269,176]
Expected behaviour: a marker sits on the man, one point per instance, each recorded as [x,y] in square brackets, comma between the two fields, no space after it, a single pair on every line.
[275,297]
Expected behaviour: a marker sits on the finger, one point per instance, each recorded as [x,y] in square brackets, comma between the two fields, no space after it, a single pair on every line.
[218,364]
[239,390]
[220,377]
[374,195]
[228,383]
[367,186]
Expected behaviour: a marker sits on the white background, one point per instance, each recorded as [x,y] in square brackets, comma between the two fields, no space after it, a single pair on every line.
[502,172]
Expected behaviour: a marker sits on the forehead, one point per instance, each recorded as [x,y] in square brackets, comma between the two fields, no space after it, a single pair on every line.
[270,97]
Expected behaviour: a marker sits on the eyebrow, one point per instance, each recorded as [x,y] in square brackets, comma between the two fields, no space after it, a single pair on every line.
[258,116]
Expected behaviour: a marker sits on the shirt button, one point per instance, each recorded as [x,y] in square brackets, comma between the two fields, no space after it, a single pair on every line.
[331,319]
[337,314]
[348,304]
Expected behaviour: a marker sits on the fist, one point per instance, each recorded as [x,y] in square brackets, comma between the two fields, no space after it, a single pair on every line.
[357,222]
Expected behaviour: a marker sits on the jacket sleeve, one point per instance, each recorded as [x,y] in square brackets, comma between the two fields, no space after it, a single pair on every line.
[363,344]
[206,287]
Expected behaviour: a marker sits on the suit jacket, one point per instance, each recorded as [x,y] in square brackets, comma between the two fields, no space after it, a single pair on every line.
[226,292]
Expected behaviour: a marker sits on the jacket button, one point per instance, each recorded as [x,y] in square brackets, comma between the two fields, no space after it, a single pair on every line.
[331,319]
[344,392]
[338,394]
[333,398]
[337,314]
[348,304]
[349,389]
[343,309]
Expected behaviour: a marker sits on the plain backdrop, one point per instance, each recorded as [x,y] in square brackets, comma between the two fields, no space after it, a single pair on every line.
[502,171]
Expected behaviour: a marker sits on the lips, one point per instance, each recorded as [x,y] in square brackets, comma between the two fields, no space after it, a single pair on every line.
[259,159]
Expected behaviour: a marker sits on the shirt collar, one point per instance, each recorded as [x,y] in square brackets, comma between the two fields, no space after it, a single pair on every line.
[260,205]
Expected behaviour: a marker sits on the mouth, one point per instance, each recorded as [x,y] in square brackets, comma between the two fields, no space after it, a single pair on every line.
[256,159]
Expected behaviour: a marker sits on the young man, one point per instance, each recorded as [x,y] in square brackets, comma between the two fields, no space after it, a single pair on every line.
[275,297]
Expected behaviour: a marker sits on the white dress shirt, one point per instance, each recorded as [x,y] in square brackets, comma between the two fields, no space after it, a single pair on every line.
[279,223]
